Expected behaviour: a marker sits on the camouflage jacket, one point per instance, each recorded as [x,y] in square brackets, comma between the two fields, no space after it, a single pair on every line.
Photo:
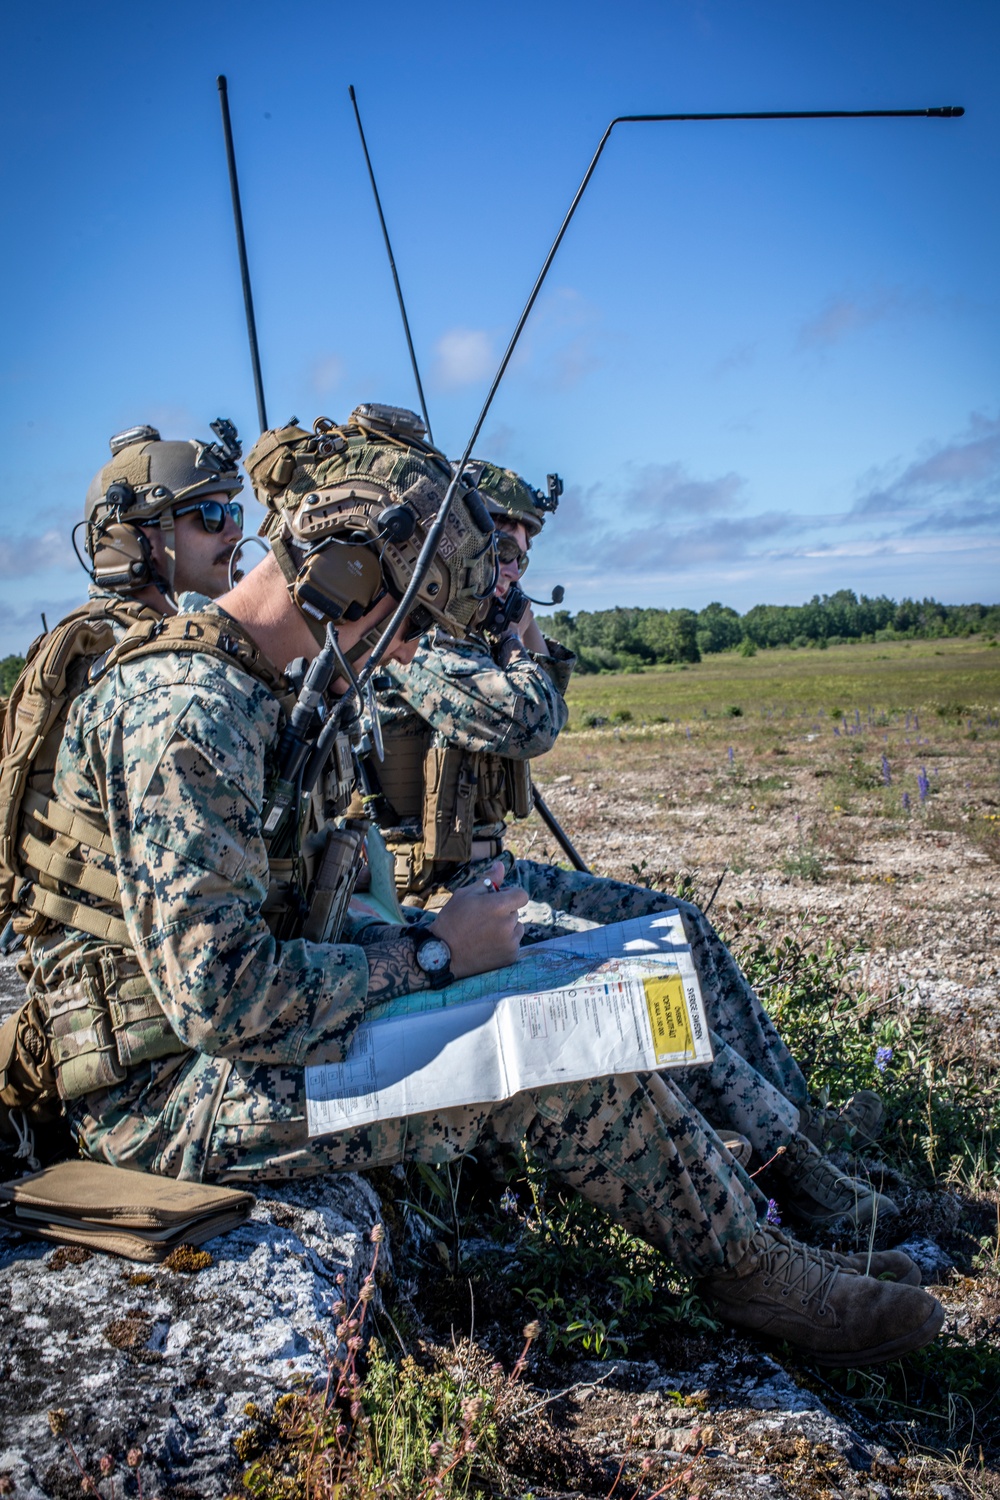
[459,729]
[174,753]
[470,702]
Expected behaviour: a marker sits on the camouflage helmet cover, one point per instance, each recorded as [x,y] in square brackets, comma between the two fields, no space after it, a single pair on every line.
[147,476]
[507,494]
[373,485]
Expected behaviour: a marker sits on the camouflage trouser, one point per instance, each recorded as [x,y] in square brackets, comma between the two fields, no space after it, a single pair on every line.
[754,1085]
[631,1144]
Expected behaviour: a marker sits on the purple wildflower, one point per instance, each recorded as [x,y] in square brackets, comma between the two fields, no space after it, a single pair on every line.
[906,801]
[886,773]
[730,755]
[916,722]
[883,1057]
[923,785]
[773,1214]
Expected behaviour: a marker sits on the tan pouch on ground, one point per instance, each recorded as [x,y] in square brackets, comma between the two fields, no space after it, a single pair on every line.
[126,1213]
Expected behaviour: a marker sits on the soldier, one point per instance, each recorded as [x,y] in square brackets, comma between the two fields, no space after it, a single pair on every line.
[180,1026]
[162,519]
[461,720]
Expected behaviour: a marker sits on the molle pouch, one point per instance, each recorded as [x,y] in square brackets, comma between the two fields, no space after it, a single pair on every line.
[517,773]
[401,774]
[338,779]
[83,1045]
[492,802]
[139,1026]
[281,909]
[450,783]
[333,886]
[27,1077]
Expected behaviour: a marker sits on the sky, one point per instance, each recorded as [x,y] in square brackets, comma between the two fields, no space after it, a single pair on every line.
[766,361]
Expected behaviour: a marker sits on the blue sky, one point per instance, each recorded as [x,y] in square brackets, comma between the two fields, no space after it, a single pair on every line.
[766,361]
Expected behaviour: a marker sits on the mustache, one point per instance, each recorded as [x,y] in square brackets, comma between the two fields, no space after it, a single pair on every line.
[222,557]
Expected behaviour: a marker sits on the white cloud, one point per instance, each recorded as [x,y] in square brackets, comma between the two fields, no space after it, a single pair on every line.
[463,356]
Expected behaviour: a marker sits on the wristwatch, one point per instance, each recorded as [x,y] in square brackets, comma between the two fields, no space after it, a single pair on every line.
[433,958]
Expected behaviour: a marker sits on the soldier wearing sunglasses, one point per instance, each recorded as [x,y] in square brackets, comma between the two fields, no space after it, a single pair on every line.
[162,518]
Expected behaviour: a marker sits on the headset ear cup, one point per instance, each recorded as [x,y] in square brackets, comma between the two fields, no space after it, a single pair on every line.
[123,558]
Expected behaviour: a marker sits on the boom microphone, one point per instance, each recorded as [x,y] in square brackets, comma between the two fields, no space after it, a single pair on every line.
[558,595]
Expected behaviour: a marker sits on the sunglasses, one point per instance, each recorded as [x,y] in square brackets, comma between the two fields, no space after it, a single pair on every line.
[508,551]
[213,514]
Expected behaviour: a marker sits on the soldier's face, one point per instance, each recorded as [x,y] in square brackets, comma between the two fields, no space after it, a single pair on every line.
[510,572]
[201,557]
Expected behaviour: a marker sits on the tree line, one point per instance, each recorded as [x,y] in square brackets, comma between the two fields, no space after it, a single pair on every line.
[627,639]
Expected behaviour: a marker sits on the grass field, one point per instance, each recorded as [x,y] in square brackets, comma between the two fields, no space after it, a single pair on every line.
[952,675]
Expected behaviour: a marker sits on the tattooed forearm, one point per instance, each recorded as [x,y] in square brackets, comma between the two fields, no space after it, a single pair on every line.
[392,967]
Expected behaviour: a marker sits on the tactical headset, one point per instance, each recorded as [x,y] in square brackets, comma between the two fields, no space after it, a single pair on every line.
[144,483]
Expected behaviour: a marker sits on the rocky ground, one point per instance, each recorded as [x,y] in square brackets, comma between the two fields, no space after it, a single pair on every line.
[813,841]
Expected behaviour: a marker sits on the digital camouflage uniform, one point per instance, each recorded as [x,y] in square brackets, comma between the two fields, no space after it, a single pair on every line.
[176,749]
[754,1086]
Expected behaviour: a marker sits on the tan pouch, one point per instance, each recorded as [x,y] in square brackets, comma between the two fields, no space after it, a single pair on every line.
[134,1214]
[450,783]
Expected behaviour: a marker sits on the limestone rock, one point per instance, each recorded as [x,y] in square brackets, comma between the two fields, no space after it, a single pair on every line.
[139,1355]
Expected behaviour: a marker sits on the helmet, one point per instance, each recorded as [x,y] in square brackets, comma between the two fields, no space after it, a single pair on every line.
[145,481]
[507,494]
[348,509]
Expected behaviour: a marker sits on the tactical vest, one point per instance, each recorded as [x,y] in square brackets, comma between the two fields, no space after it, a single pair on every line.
[106,1020]
[433,798]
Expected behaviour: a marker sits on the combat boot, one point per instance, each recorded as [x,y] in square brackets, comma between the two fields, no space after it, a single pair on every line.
[859,1121]
[889,1265]
[817,1192]
[834,1315]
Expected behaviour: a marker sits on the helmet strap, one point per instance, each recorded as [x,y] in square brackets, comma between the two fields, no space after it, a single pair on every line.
[169,547]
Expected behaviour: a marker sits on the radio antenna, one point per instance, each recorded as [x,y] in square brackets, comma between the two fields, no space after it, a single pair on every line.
[392,266]
[432,540]
[241,245]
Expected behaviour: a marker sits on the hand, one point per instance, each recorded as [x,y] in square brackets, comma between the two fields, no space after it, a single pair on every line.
[531,637]
[480,925]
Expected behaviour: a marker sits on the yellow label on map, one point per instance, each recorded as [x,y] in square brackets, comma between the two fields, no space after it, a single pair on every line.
[668,1018]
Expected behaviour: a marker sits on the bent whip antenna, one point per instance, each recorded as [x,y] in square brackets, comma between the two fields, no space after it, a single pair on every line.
[432,540]
[241,245]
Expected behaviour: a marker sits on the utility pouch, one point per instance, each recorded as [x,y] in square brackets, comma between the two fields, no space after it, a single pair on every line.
[517,773]
[27,1074]
[83,1045]
[492,796]
[139,1026]
[401,772]
[333,886]
[450,783]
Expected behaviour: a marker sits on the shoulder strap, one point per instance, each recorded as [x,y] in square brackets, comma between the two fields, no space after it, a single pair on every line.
[54,674]
[203,633]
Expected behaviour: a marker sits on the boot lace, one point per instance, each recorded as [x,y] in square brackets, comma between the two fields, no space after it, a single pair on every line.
[817,1175]
[797,1268]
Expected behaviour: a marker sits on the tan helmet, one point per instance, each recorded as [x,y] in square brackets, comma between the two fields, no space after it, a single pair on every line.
[507,494]
[146,481]
[349,507]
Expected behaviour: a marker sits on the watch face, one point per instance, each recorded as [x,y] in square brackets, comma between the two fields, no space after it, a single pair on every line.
[433,955]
